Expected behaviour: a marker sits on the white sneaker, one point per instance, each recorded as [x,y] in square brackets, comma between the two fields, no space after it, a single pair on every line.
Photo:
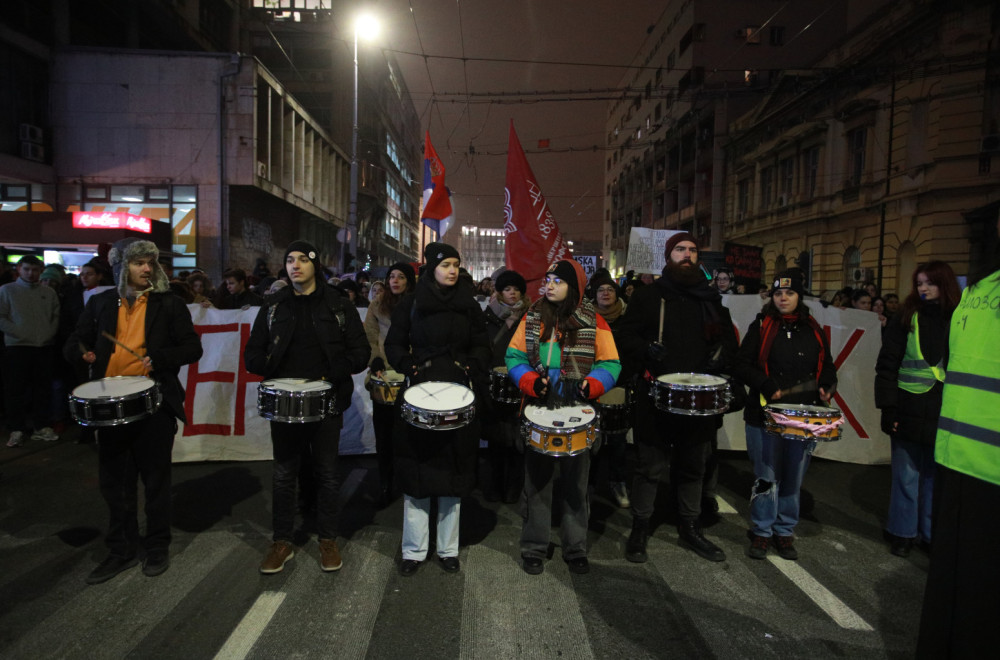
[621,494]
[46,435]
[16,439]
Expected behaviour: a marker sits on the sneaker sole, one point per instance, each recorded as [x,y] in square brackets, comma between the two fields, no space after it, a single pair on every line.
[272,571]
[159,570]
[330,569]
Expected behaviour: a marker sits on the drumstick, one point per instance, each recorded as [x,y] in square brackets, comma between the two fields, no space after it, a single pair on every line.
[108,335]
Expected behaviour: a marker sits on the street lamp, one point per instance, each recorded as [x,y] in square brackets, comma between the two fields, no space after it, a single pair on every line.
[365,26]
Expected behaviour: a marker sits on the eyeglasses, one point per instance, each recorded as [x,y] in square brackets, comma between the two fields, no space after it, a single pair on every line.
[554,281]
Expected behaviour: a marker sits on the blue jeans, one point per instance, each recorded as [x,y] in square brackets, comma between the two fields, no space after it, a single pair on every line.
[416,526]
[912,490]
[779,465]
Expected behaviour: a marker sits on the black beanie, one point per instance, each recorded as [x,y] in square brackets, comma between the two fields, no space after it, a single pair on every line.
[435,253]
[510,278]
[308,249]
[407,270]
[789,279]
[570,272]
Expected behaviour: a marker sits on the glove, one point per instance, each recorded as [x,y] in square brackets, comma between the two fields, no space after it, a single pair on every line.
[656,351]
[539,387]
[889,419]
[377,365]
[583,390]
[590,388]
[532,385]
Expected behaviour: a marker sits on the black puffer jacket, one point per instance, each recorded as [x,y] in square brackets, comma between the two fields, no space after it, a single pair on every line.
[442,334]
[171,341]
[917,414]
[338,325]
[791,363]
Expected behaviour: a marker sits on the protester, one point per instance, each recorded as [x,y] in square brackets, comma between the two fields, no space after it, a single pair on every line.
[910,376]
[861,299]
[723,281]
[240,297]
[891,304]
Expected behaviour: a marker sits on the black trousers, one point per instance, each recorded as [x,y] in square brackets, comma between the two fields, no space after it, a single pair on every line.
[27,381]
[962,598]
[680,443]
[127,453]
[383,419]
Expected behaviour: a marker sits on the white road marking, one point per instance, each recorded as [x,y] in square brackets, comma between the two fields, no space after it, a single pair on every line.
[724,506]
[843,615]
[251,626]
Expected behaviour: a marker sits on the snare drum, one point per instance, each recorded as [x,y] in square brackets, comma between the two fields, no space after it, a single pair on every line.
[386,389]
[614,410]
[561,432]
[691,394]
[502,388]
[114,401]
[794,421]
[438,406]
[295,400]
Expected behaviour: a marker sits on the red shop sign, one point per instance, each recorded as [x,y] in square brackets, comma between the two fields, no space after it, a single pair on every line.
[106,220]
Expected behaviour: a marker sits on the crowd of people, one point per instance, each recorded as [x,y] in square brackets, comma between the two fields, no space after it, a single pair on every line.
[585,349]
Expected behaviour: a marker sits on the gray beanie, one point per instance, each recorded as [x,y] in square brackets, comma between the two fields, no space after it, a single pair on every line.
[129,249]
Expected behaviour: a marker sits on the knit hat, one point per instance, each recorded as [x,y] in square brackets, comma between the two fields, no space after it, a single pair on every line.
[571,272]
[674,240]
[435,253]
[789,279]
[510,278]
[603,279]
[407,270]
[51,273]
[308,249]
[130,249]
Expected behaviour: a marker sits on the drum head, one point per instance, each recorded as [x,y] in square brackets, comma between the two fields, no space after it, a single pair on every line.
[692,380]
[560,419]
[389,377]
[295,385]
[439,396]
[500,370]
[613,397]
[113,387]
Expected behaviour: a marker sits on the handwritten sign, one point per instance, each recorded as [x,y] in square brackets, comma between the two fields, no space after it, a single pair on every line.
[645,249]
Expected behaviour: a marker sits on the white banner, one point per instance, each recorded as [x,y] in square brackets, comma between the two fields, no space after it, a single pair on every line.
[221,397]
[645,249]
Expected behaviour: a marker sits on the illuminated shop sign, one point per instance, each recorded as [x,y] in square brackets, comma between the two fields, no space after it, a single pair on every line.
[102,220]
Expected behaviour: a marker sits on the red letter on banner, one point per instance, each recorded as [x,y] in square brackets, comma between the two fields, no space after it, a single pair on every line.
[852,341]
[243,377]
[194,377]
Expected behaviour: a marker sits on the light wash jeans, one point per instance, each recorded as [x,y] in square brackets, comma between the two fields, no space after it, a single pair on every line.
[779,465]
[912,490]
[416,526]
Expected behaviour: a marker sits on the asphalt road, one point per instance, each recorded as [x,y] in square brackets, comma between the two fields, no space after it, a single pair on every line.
[846,596]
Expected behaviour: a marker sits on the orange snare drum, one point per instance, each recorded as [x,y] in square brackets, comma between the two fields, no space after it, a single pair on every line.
[386,389]
[564,431]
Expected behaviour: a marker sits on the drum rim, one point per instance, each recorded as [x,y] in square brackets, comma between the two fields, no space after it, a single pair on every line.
[784,409]
[152,385]
[385,381]
[262,388]
[688,387]
[471,404]
[562,429]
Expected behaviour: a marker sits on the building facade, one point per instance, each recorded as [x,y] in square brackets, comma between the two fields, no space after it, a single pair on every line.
[884,156]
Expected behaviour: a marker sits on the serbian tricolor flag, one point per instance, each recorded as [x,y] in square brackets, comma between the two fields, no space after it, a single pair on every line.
[437,213]
[533,237]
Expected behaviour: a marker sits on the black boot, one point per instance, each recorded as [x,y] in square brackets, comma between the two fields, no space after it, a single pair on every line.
[692,536]
[635,547]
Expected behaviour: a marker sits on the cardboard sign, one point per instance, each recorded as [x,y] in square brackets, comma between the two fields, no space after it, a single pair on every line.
[645,249]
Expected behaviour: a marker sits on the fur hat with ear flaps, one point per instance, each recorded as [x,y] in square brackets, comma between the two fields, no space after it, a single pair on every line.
[130,249]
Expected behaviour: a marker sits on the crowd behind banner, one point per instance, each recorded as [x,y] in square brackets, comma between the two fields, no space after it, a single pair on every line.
[222,397]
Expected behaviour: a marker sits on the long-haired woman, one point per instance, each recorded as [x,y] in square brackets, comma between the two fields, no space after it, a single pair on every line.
[909,377]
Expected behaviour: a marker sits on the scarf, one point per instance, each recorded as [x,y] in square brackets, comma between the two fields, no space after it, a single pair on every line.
[612,313]
[577,360]
[510,314]
[769,328]
[702,292]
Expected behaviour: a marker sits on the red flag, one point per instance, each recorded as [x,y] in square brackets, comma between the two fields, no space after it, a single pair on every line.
[437,212]
[533,237]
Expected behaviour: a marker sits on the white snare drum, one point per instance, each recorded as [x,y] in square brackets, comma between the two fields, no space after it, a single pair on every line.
[438,406]
[386,389]
[564,431]
[691,394]
[794,421]
[295,400]
[114,401]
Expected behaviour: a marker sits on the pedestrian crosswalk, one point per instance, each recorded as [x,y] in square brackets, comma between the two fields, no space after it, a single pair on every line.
[213,602]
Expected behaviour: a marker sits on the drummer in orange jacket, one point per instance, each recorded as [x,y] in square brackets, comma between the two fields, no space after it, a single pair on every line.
[784,359]
[155,338]
[562,350]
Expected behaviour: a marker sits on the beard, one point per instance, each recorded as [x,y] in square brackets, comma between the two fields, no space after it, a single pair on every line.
[685,275]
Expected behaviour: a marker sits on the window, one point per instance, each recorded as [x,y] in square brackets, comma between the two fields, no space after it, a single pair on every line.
[786,172]
[752,34]
[742,197]
[810,172]
[778,35]
[658,112]
[856,140]
[671,60]
[766,188]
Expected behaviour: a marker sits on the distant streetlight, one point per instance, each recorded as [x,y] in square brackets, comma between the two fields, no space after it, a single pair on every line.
[366,27]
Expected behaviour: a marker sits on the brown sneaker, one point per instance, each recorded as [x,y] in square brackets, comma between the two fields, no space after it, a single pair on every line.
[329,555]
[280,552]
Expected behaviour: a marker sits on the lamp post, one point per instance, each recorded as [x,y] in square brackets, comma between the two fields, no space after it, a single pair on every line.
[364,25]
